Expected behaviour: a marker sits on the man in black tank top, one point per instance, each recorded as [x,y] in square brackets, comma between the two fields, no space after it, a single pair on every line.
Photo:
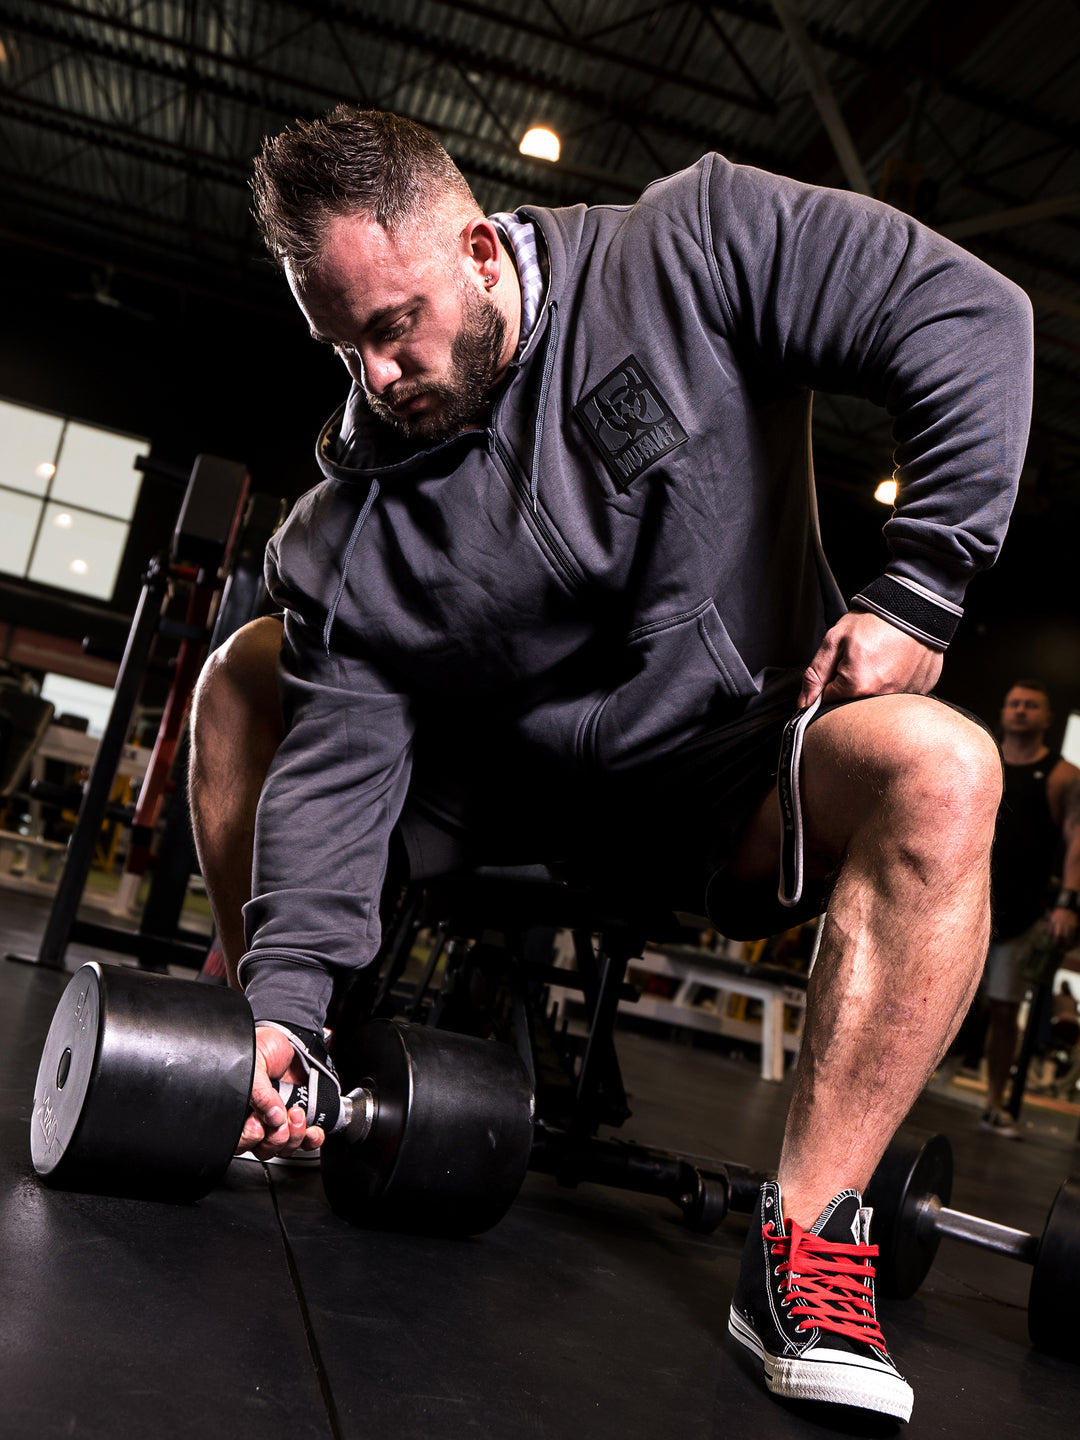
[1040,810]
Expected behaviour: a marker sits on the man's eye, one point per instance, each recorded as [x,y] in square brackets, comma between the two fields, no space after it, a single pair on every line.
[395,331]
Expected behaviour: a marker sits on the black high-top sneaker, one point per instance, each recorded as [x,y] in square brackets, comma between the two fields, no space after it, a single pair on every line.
[805,1305]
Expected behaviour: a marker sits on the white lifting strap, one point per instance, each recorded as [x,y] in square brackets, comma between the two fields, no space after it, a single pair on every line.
[789,790]
[319,1093]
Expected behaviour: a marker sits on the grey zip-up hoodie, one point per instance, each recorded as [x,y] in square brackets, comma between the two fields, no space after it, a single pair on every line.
[615,561]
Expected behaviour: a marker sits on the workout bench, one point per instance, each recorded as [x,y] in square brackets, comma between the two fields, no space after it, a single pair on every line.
[41,860]
[694,970]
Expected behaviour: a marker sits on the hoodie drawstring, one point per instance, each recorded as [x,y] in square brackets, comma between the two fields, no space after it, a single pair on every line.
[372,495]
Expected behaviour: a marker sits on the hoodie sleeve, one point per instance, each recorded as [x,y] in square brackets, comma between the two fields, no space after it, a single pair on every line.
[841,293]
[333,795]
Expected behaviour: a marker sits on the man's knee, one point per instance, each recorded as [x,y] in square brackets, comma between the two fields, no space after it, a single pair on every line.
[937,728]
[910,764]
[945,763]
[236,699]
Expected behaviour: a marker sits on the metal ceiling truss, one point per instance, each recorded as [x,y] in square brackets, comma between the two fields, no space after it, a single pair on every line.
[547,186]
[579,44]
[135,120]
[88,212]
[141,47]
[144,51]
[917,57]
[825,37]
[76,36]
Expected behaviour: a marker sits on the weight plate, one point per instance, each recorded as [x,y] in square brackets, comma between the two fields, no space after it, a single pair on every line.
[143,1085]
[452,1134]
[1055,1282]
[709,1204]
[914,1167]
[67,1063]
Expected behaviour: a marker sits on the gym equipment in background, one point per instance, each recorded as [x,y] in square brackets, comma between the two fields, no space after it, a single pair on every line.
[217,553]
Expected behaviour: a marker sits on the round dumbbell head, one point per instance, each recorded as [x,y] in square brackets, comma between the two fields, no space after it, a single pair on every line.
[451,1135]
[1055,1282]
[914,1167]
[143,1086]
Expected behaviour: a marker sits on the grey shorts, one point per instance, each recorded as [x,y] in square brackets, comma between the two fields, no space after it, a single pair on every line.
[1003,977]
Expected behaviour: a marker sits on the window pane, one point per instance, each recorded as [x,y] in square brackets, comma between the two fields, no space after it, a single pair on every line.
[18,521]
[79,551]
[28,444]
[95,470]
[79,697]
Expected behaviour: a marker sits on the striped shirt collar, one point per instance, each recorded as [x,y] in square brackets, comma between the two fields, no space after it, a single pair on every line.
[524,244]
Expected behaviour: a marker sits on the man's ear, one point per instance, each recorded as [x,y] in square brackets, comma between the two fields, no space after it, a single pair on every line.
[481,250]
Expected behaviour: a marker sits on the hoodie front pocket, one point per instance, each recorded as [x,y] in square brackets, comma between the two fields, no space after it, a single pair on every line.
[685,673]
[736,677]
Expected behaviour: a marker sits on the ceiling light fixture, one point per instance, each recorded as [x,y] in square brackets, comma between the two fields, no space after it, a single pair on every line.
[540,143]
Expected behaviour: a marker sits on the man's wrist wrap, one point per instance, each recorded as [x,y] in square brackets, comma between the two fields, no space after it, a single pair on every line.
[319,1093]
[911,608]
[1066,900]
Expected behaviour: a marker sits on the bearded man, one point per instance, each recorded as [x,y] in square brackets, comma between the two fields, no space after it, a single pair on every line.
[560,593]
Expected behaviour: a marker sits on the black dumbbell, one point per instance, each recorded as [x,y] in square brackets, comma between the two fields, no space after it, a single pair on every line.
[145,1082]
[910,1193]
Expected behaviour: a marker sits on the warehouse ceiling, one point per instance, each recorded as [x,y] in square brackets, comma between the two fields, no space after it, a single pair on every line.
[127,129]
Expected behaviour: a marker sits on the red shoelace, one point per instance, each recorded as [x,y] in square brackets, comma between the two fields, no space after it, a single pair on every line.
[827,1283]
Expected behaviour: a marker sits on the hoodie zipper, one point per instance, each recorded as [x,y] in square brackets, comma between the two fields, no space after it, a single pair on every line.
[549,542]
[586,747]
[545,533]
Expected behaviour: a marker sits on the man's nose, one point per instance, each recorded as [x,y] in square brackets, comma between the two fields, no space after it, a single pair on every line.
[380,371]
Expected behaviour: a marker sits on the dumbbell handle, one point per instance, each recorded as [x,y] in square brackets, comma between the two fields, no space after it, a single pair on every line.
[357,1114]
[935,1218]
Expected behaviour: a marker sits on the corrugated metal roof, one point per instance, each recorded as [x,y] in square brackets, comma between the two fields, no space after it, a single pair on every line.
[128,128]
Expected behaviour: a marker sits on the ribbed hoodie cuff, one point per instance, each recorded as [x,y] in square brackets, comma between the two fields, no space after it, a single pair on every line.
[911,607]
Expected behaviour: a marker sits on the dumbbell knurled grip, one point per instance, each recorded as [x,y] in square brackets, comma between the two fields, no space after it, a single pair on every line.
[935,1218]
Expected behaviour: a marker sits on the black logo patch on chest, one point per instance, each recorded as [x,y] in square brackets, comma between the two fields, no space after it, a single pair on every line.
[629,422]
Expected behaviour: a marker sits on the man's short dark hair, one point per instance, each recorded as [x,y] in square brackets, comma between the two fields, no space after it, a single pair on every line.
[349,162]
[1037,685]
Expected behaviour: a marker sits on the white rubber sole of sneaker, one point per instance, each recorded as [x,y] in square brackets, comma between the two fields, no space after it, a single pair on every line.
[841,1380]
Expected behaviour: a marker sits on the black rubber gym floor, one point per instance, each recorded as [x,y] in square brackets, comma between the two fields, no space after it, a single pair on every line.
[586,1313]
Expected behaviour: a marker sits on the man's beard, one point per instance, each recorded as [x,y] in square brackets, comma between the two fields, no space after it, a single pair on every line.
[461,399]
